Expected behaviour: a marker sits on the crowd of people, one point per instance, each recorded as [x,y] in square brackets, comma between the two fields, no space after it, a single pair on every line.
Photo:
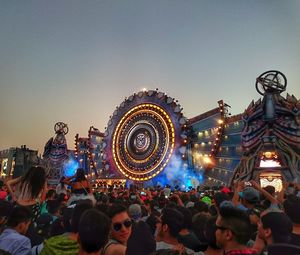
[74,218]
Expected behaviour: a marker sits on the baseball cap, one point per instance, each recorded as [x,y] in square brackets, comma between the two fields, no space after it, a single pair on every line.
[206,200]
[225,190]
[250,194]
[3,194]
[189,204]
[278,222]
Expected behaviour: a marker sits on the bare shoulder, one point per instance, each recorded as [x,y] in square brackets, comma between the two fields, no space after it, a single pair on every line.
[115,249]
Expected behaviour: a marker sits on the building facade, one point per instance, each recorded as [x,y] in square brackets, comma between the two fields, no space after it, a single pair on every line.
[15,161]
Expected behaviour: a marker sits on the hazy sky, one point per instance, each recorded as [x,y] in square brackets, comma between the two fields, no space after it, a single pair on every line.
[75,61]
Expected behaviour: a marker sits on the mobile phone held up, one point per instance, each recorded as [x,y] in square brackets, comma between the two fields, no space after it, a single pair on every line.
[248,184]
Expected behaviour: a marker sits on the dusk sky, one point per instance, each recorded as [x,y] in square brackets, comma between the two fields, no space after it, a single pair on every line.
[75,61]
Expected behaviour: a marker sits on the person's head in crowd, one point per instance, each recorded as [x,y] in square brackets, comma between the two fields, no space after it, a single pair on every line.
[201,206]
[147,205]
[152,220]
[193,198]
[43,225]
[190,204]
[207,200]
[265,202]
[162,201]
[173,199]
[187,217]
[66,219]
[210,233]
[80,176]
[34,180]
[254,214]
[135,212]
[225,190]
[154,205]
[3,192]
[270,189]
[275,227]
[104,199]
[5,210]
[249,197]
[63,198]
[233,228]
[212,210]
[79,209]
[141,241]
[93,231]
[292,208]
[184,198]
[121,224]
[199,220]
[220,197]
[62,224]
[171,205]
[53,207]
[51,194]
[62,181]
[226,203]
[19,219]
[102,207]
[170,224]
[145,212]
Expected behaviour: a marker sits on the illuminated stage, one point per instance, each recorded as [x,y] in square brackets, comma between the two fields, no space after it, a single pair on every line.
[148,140]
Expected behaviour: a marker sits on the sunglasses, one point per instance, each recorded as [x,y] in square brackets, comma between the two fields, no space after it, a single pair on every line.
[118,226]
[224,228]
[255,211]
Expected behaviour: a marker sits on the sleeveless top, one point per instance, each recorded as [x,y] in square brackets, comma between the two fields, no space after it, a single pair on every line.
[109,243]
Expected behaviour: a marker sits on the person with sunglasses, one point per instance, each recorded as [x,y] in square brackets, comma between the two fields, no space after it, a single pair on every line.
[121,227]
[233,231]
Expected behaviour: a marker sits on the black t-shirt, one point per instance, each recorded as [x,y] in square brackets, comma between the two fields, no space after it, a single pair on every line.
[191,241]
[295,239]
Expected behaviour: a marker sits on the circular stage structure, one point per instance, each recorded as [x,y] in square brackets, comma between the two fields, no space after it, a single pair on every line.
[143,135]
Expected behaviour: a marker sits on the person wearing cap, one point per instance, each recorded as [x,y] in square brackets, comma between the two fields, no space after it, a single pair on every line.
[186,235]
[207,200]
[245,197]
[254,216]
[249,196]
[3,192]
[274,227]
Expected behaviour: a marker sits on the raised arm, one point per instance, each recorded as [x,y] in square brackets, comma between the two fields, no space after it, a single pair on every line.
[280,196]
[44,192]
[268,196]
[11,183]
[238,187]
